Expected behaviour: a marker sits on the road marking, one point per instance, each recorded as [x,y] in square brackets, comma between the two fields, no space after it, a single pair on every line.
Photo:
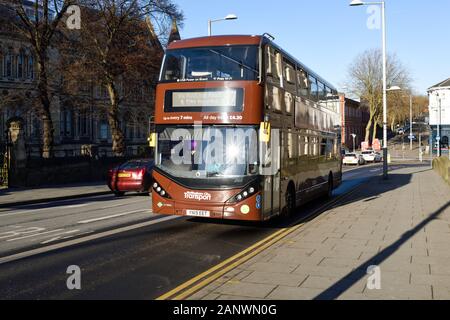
[112,216]
[69,243]
[243,254]
[34,235]
[122,204]
[15,233]
[202,280]
[75,206]
[66,235]
[11,212]
[47,208]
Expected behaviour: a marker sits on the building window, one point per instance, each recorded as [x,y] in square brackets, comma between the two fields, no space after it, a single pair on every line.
[83,124]
[36,128]
[30,68]
[20,66]
[8,65]
[103,130]
[444,142]
[66,123]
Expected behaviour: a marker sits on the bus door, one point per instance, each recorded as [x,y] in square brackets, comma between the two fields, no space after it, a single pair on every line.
[270,171]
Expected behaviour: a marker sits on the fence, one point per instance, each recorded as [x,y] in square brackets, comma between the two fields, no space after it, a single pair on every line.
[4,166]
[71,165]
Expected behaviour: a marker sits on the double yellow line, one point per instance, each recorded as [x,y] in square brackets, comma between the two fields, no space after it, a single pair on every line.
[202,280]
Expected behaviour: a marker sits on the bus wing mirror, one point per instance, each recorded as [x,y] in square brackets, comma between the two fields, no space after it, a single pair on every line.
[152,140]
[264,132]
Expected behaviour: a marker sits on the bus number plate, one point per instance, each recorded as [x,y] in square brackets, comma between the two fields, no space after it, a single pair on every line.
[197,213]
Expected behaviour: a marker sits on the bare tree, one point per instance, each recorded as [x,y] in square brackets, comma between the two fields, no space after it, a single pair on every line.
[116,48]
[38,28]
[365,80]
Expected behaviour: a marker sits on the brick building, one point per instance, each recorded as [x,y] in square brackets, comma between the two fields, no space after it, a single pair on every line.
[439,106]
[354,119]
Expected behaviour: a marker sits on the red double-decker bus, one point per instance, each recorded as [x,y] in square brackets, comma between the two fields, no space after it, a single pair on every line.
[243,130]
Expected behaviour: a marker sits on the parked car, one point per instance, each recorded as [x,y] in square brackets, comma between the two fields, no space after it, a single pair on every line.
[353,158]
[371,156]
[133,175]
[378,157]
[403,130]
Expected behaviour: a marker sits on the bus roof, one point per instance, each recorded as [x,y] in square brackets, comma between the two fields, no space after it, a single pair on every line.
[215,41]
[228,40]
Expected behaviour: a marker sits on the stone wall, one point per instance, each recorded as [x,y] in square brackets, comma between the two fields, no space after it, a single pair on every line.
[442,167]
[56,171]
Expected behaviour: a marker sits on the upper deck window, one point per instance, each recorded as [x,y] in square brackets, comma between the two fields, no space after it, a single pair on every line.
[211,64]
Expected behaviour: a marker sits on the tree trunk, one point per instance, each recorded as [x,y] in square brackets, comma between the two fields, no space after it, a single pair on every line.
[118,141]
[368,126]
[374,133]
[48,130]
[393,120]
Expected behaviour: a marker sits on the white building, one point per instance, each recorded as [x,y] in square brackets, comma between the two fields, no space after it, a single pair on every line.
[439,108]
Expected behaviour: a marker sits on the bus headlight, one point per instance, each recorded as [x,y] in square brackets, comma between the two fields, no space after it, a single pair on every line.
[157,188]
[245,193]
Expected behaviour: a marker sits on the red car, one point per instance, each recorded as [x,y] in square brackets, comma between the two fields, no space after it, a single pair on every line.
[133,175]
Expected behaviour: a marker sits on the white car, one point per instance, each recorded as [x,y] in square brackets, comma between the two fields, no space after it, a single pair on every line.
[368,156]
[353,158]
[371,156]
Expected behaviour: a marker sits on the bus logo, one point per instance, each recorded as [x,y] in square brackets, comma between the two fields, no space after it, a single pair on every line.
[197,195]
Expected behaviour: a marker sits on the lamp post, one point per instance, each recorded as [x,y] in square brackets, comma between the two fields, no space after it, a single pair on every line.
[383,27]
[228,17]
[353,136]
[438,133]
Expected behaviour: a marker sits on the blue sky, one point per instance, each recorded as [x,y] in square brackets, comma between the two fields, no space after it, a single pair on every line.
[326,35]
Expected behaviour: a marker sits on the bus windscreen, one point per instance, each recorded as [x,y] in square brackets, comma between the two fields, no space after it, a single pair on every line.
[211,64]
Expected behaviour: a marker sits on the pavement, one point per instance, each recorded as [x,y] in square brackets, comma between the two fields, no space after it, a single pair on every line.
[384,240]
[21,196]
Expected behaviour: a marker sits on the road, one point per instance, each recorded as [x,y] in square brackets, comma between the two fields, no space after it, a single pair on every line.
[123,250]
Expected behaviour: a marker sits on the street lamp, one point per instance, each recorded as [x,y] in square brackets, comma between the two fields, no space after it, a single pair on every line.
[228,17]
[353,136]
[397,88]
[383,26]
[438,133]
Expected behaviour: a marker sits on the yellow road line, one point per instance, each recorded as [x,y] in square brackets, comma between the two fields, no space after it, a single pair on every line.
[230,267]
[218,266]
[190,287]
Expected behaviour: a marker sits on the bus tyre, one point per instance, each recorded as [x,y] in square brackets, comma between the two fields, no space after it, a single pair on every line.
[290,202]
